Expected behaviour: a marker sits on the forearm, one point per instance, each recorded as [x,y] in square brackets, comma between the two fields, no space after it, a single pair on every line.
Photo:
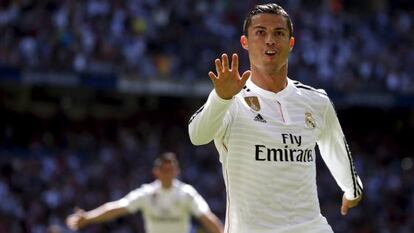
[206,122]
[105,213]
[211,223]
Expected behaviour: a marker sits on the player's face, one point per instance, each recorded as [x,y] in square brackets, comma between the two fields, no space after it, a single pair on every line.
[268,42]
[167,171]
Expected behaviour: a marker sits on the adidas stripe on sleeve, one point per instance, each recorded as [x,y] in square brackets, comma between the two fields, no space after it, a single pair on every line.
[337,156]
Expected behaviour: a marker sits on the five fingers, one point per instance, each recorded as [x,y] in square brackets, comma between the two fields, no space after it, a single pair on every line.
[227,82]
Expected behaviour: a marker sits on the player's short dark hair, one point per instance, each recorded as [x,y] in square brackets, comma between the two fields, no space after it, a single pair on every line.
[166,157]
[270,8]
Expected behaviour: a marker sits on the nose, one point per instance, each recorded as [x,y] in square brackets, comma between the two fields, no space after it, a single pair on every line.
[270,40]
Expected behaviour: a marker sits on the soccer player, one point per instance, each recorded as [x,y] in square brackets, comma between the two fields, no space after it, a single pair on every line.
[166,204]
[265,127]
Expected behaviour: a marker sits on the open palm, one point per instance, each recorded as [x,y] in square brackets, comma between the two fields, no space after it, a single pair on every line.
[228,82]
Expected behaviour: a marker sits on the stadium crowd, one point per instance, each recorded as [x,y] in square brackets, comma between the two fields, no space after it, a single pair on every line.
[343,44]
[49,165]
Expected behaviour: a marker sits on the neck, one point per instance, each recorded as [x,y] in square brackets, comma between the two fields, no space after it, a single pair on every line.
[273,81]
[166,184]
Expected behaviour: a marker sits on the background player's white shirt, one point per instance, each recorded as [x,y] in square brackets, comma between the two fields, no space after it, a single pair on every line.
[166,210]
[266,144]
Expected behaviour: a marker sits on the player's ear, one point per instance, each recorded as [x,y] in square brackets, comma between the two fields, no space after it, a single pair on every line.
[243,42]
[291,43]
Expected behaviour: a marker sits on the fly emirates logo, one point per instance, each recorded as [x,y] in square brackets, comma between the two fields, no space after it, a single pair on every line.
[287,153]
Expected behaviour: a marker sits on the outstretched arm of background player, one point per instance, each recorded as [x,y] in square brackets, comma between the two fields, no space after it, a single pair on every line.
[337,156]
[104,213]
[211,223]
[207,121]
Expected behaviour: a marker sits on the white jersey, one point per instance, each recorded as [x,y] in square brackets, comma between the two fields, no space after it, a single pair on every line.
[166,210]
[266,143]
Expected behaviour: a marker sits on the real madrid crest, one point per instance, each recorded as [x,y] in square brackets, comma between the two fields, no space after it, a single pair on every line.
[253,102]
[309,120]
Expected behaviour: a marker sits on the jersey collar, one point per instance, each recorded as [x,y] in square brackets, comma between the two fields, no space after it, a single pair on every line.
[175,184]
[268,94]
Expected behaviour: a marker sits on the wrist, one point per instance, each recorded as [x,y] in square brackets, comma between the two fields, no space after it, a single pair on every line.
[351,197]
[222,98]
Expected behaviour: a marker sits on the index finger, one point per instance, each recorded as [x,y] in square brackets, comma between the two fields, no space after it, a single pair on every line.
[235,62]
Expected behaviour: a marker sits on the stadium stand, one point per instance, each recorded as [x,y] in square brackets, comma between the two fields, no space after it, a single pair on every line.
[91,88]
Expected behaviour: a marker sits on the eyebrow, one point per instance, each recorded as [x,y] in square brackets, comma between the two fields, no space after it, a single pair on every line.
[275,29]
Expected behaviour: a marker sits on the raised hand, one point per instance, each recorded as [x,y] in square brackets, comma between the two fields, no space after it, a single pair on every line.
[228,82]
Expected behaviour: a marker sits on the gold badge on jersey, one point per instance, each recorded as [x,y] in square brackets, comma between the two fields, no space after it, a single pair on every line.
[309,120]
[253,102]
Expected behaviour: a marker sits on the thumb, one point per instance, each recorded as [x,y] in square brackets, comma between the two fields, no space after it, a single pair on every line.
[344,209]
[245,76]
[345,205]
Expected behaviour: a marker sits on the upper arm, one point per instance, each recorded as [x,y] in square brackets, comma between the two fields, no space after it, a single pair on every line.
[198,206]
[134,200]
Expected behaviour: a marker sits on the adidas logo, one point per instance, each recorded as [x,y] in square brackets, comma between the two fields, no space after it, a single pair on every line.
[259,118]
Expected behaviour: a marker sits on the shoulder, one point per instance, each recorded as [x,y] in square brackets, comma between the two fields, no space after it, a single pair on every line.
[310,92]
[309,89]
[186,188]
[147,189]
[140,194]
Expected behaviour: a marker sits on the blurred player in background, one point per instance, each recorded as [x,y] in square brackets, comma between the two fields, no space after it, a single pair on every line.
[265,127]
[166,204]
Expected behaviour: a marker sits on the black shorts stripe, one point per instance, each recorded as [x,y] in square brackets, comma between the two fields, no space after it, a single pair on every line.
[195,114]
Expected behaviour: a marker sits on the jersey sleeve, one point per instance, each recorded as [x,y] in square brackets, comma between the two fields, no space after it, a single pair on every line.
[337,156]
[198,206]
[210,120]
[134,200]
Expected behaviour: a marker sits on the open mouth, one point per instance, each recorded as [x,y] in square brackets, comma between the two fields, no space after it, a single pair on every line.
[270,52]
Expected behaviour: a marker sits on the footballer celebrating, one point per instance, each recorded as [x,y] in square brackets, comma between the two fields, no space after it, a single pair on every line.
[265,127]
